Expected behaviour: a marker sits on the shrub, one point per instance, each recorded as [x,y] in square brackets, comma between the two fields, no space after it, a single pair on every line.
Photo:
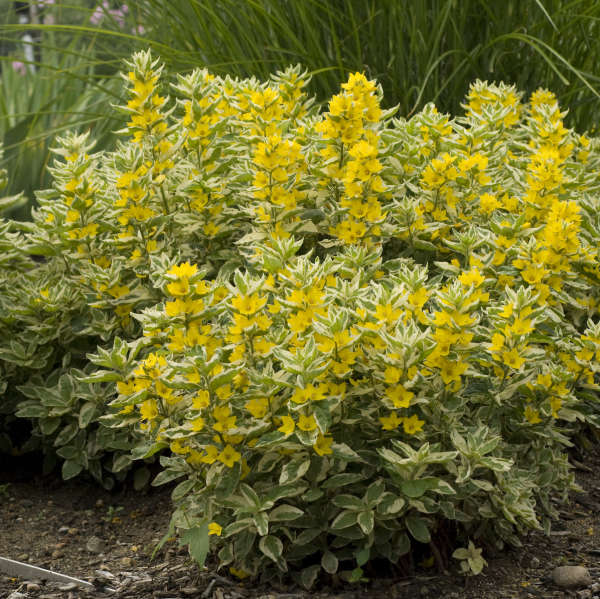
[349,334]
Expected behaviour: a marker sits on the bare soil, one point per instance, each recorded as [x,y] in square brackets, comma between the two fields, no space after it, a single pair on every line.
[49,523]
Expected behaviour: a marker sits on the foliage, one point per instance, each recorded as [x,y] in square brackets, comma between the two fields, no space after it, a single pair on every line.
[338,328]
[471,560]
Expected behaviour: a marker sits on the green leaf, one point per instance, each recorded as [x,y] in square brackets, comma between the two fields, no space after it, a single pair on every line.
[66,434]
[312,495]
[182,489]
[238,526]
[307,438]
[375,493]
[120,462]
[285,513]
[362,556]
[329,562]
[250,497]
[271,546]
[198,543]
[268,462]
[307,536]
[322,415]
[166,476]
[269,439]
[308,576]
[49,425]
[31,409]
[262,523]
[86,413]
[344,520]
[146,450]
[390,504]
[101,376]
[68,452]
[141,478]
[417,488]
[228,481]
[339,480]
[345,453]
[421,244]
[497,464]
[292,471]
[348,502]
[402,546]
[366,521]
[70,469]
[418,528]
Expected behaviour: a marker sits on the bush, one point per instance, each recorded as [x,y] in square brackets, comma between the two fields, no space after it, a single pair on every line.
[349,334]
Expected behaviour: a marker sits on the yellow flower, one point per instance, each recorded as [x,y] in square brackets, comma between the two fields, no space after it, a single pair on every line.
[520,326]
[287,425]
[241,574]
[392,375]
[211,455]
[451,370]
[149,410]
[229,456]
[248,304]
[544,380]
[506,312]
[201,399]
[125,387]
[198,424]
[555,405]
[497,342]
[323,445]
[513,359]
[532,415]
[307,423]
[399,396]
[391,422]
[179,287]
[412,425]
[178,447]
[258,406]
[300,321]
[488,203]
[184,270]
[214,529]
[471,277]
[419,298]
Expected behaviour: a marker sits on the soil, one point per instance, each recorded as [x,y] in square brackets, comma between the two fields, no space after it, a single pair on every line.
[51,524]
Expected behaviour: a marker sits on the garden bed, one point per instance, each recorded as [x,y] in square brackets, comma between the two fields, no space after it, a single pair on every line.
[79,529]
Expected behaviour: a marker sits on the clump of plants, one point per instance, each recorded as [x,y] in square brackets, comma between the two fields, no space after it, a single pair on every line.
[350,335]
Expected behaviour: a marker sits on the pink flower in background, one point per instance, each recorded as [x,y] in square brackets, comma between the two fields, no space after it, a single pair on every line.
[139,30]
[104,10]
[97,16]
[19,67]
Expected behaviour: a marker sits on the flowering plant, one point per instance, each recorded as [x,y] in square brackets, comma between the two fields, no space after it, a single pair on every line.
[341,329]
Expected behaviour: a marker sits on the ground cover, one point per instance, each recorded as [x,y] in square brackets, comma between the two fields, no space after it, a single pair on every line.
[49,523]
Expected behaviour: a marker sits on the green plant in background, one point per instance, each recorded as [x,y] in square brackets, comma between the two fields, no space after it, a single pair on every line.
[63,87]
[418,51]
[349,335]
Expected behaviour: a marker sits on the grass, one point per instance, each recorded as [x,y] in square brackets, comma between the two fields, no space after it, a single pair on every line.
[420,51]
